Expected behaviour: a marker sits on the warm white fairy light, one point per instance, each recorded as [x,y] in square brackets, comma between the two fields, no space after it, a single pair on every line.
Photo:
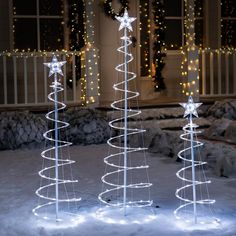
[27,53]
[89,21]
[190,61]
[191,203]
[114,141]
[91,78]
[145,30]
[89,59]
[53,136]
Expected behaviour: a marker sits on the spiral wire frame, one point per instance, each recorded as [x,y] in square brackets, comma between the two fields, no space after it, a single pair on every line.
[190,206]
[124,133]
[59,162]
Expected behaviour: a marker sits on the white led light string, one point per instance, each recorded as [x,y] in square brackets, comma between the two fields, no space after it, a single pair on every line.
[126,133]
[189,209]
[58,160]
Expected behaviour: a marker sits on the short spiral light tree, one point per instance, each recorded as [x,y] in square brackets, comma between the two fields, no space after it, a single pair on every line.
[57,183]
[122,180]
[195,203]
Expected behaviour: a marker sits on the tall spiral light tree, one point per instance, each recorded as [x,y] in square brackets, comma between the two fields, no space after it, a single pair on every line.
[120,160]
[56,189]
[195,203]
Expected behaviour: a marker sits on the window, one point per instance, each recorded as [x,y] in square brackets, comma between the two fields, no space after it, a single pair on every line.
[38,24]
[228,23]
[174,21]
[174,33]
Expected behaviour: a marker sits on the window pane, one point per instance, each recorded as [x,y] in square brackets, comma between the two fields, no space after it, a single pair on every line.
[24,7]
[198,8]
[228,8]
[228,36]
[173,36]
[51,34]
[173,7]
[199,32]
[52,7]
[25,34]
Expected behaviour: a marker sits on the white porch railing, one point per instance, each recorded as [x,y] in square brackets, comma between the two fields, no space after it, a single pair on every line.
[24,79]
[217,73]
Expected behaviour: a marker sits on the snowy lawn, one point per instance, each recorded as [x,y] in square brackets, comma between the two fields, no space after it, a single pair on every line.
[19,179]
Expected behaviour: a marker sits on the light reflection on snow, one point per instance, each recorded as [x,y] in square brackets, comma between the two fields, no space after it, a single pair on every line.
[201,225]
[161,222]
[68,222]
[111,215]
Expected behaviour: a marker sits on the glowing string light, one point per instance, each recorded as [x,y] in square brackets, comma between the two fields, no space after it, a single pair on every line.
[27,53]
[89,60]
[190,61]
[145,31]
[53,136]
[189,206]
[125,130]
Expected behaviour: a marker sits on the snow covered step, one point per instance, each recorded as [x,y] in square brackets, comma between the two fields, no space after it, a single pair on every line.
[169,124]
[154,113]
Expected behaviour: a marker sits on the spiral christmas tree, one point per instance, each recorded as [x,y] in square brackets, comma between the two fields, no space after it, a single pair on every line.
[195,203]
[121,180]
[57,186]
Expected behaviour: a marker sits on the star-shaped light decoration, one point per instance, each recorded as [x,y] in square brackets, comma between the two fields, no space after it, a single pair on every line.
[190,107]
[125,21]
[55,66]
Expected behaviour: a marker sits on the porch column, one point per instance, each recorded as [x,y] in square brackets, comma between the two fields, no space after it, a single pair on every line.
[191,52]
[89,59]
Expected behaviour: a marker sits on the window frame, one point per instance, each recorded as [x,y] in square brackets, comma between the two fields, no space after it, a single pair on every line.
[38,17]
[225,18]
[179,18]
[168,51]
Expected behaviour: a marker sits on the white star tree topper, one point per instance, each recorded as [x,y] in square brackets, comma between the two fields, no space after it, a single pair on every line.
[55,66]
[125,21]
[190,107]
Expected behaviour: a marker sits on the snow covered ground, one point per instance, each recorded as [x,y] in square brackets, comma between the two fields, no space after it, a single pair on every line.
[19,179]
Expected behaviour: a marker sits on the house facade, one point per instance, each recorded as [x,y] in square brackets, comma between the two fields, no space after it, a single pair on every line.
[32,30]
